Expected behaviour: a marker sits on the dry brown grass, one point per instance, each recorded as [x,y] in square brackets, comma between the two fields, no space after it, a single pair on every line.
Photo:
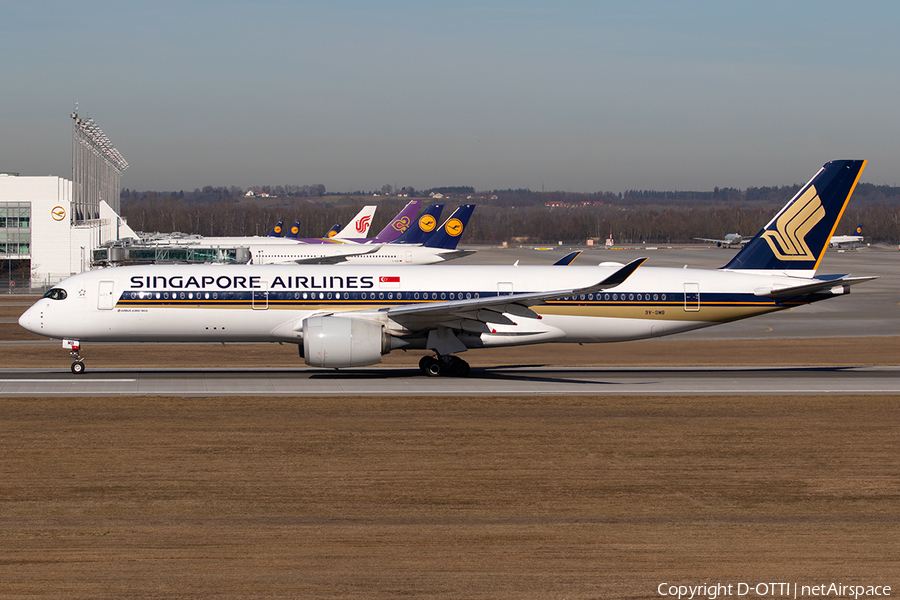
[451,497]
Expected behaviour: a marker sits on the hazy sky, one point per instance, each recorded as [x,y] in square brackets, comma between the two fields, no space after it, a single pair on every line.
[564,95]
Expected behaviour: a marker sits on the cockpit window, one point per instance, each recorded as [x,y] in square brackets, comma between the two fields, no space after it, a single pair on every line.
[56,294]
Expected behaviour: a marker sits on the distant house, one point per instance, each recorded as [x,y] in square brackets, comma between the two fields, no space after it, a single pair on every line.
[255,194]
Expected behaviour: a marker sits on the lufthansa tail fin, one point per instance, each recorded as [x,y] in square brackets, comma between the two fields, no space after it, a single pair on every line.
[294,231]
[277,230]
[398,224]
[423,227]
[794,241]
[447,237]
[335,229]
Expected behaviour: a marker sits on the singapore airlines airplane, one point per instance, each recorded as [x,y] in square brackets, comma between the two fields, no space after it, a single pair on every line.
[349,316]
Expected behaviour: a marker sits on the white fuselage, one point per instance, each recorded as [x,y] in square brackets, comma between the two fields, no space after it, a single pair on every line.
[268,303]
[358,254]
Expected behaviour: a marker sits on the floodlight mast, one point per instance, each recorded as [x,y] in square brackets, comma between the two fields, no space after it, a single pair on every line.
[96,169]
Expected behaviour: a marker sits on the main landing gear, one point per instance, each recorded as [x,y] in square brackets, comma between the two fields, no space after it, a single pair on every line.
[78,365]
[444,366]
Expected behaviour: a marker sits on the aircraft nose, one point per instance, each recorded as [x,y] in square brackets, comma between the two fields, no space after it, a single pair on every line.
[30,320]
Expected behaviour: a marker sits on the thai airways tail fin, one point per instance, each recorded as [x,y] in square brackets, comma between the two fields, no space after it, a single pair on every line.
[447,237]
[294,232]
[277,230]
[423,227]
[796,238]
[335,229]
[398,224]
[359,226]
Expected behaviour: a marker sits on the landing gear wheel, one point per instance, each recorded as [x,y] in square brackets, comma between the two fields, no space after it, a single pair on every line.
[432,366]
[77,367]
[458,367]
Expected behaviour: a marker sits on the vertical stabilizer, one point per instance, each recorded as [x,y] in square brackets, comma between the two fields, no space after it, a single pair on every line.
[398,224]
[423,227]
[447,237]
[794,241]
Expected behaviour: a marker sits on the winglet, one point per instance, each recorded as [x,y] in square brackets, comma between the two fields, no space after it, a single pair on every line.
[568,259]
[615,279]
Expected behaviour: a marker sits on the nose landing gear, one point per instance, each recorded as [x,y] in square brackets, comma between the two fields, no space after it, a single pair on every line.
[444,366]
[78,365]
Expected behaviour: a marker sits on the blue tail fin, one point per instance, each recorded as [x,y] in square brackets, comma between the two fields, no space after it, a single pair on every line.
[795,240]
[423,227]
[276,231]
[335,229]
[448,235]
[294,232]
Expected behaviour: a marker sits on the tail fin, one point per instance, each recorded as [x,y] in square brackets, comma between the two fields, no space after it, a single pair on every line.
[423,227]
[294,232]
[359,226]
[335,229]
[277,230]
[450,232]
[399,224]
[794,241]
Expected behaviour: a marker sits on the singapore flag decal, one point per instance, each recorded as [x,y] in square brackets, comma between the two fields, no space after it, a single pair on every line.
[388,282]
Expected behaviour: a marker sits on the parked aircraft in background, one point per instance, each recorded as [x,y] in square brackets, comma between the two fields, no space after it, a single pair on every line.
[731,239]
[840,241]
[293,232]
[358,226]
[440,246]
[349,316]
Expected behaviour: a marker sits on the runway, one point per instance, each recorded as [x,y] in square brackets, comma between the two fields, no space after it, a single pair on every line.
[497,381]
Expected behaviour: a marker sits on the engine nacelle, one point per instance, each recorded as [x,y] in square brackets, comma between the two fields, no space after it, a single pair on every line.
[343,342]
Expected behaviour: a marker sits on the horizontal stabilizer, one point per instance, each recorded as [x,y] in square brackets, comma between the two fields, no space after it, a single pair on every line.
[817,286]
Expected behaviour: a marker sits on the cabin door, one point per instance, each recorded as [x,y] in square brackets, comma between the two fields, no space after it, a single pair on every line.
[691,297]
[105,300]
[260,299]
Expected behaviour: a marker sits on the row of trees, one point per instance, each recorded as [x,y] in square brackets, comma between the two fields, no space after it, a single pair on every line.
[498,223]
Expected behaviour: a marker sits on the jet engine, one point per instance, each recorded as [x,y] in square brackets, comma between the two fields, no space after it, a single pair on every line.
[335,342]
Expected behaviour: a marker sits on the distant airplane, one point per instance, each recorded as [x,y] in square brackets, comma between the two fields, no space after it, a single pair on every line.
[277,230]
[349,316]
[440,246]
[359,226]
[731,239]
[838,241]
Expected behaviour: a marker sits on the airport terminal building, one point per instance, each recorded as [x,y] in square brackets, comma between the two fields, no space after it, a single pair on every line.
[38,224]
[53,224]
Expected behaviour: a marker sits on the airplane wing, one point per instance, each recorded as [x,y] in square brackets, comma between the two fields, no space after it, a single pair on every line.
[439,311]
[337,258]
[824,284]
